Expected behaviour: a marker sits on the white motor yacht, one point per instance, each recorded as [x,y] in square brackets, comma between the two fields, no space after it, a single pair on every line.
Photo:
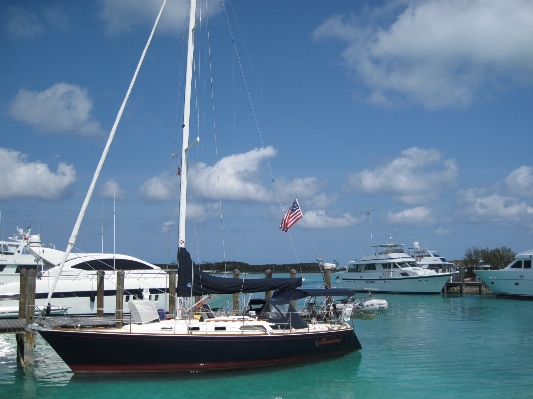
[427,259]
[390,269]
[76,287]
[516,279]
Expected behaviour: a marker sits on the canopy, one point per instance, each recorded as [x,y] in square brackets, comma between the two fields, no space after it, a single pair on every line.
[205,284]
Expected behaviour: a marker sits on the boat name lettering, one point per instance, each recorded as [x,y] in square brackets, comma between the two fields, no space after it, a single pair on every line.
[327,341]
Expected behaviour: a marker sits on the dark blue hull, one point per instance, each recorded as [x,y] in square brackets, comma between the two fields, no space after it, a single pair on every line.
[108,352]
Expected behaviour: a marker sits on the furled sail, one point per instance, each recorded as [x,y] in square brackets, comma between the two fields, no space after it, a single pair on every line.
[205,284]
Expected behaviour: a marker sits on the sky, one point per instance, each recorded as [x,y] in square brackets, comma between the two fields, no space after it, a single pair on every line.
[405,120]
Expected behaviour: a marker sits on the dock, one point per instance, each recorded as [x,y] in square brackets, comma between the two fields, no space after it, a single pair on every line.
[463,285]
[16,326]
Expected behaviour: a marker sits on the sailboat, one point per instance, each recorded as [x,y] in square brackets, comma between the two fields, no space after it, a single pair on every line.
[270,332]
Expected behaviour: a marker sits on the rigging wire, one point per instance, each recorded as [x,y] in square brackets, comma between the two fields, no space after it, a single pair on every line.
[257,123]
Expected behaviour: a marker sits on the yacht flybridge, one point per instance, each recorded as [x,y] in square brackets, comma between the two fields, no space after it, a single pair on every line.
[391,269]
[14,255]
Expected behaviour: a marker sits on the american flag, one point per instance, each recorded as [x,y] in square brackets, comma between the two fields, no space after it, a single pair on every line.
[291,217]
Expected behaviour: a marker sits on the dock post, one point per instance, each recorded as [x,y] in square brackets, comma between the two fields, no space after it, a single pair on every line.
[293,275]
[327,281]
[119,311]
[29,337]
[100,293]
[236,274]
[268,274]
[171,291]
[22,294]
[22,316]
[462,287]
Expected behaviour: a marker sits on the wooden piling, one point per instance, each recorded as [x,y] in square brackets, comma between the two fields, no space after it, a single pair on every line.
[462,273]
[327,281]
[119,311]
[29,337]
[22,294]
[293,275]
[171,291]
[268,274]
[100,274]
[20,337]
[236,274]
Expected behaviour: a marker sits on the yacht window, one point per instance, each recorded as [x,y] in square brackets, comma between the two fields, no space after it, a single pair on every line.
[517,265]
[527,264]
[396,266]
[107,264]
[370,266]
[386,266]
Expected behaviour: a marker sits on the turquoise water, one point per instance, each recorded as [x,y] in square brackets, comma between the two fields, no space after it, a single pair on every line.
[430,346]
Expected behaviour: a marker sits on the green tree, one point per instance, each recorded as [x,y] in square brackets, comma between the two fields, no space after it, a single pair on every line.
[498,258]
[472,256]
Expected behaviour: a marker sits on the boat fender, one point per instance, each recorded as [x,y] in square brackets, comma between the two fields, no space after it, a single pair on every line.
[139,293]
[48,308]
[92,296]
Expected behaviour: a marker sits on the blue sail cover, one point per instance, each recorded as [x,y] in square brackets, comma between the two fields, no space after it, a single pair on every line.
[205,284]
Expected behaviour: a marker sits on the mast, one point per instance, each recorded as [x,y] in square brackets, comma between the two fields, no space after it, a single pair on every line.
[186,123]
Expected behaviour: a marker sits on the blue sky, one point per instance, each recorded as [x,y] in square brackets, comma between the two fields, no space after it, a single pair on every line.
[409,119]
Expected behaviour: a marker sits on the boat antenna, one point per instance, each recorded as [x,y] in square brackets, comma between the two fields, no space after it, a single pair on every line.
[77,226]
[370,219]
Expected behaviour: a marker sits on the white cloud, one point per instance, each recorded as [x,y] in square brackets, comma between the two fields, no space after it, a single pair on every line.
[322,201]
[167,226]
[235,177]
[23,179]
[61,108]
[122,16]
[438,53]
[416,176]
[305,187]
[520,181]
[155,189]
[24,24]
[441,231]
[201,212]
[319,220]
[111,189]
[482,207]
[417,216]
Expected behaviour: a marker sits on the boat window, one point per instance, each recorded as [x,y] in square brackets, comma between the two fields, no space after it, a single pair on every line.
[370,266]
[386,265]
[107,264]
[396,266]
[517,265]
[527,264]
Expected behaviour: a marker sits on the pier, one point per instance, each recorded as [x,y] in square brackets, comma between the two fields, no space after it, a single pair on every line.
[462,285]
